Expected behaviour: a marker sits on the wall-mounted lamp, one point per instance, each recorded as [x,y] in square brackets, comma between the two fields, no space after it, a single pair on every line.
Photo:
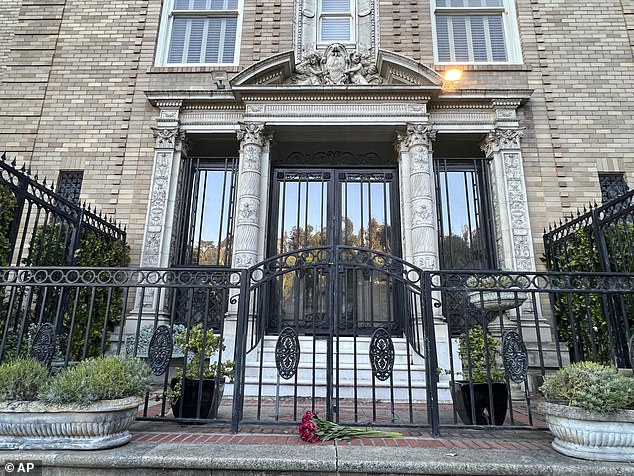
[453,74]
[219,78]
[451,78]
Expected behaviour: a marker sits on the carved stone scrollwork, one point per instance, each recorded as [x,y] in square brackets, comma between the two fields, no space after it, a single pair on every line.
[381,354]
[43,347]
[160,350]
[287,353]
[420,134]
[501,139]
[515,357]
[336,66]
[251,133]
[165,138]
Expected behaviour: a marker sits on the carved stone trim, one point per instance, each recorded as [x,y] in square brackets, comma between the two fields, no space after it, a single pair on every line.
[251,133]
[517,204]
[420,134]
[501,139]
[251,195]
[336,65]
[418,197]
[306,27]
[503,147]
[165,138]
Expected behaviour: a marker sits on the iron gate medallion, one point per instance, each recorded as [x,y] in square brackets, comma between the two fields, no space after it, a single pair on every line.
[287,353]
[159,351]
[515,356]
[381,354]
[43,347]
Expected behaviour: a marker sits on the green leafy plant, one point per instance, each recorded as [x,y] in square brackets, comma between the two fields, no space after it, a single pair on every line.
[580,316]
[591,386]
[85,311]
[475,354]
[101,378]
[200,345]
[21,379]
[7,212]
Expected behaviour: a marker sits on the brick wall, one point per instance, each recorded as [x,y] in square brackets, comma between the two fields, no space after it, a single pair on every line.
[585,56]
[73,77]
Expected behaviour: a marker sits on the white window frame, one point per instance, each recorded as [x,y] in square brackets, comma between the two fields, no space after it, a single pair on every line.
[167,17]
[509,24]
[353,24]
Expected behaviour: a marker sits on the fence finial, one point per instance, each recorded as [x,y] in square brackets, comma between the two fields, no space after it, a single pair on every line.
[13,162]
[3,156]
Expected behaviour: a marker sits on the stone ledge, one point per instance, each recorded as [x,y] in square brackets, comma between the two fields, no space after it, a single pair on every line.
[148,459]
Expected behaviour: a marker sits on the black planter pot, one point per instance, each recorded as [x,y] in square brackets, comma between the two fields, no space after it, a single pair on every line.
[190,398]
[461,395]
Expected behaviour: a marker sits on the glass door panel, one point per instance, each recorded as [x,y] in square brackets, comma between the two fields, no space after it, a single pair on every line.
[302,218]
[366,218]
[330,208]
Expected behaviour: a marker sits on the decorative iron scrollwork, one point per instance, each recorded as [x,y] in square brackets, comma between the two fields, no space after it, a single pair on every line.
[515,356]
[381,354]
[287,353]
[160,349]
[43,347]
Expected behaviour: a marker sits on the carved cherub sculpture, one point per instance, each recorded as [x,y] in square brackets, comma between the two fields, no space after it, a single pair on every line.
[310,71]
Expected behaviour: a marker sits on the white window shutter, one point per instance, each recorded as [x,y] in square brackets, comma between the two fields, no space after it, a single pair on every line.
[335,29]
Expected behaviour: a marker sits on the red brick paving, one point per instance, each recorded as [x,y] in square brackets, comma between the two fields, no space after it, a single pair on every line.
[535,442]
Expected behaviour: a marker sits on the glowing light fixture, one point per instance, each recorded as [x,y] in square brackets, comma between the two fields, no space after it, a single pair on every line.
[453,74]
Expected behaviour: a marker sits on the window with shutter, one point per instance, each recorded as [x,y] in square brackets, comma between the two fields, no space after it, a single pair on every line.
[200,32]
[336,21]
[476,31]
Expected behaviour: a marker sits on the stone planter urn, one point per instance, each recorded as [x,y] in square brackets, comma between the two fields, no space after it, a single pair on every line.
[494,301]
[38,426]
[589,435]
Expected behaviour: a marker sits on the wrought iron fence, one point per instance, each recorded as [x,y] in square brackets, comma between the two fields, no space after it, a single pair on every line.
[425,375]
[40,227]
[600,239]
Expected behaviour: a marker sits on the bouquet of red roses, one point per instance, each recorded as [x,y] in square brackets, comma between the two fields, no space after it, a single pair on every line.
[314,429]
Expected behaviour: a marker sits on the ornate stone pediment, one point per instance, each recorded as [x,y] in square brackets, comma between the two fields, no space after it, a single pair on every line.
[335,66]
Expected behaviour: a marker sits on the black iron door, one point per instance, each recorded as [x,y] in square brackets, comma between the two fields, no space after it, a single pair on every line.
[327,208]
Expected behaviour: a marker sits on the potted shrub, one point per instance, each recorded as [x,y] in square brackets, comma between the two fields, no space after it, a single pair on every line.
[500,297]
[88,406]
[588,409]
[475,353]
[204,378]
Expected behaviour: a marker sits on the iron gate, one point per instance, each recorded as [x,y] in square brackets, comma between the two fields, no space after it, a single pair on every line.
[329,364]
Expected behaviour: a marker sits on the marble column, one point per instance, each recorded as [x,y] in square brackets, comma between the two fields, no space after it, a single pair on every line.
[253,176]
[418,197]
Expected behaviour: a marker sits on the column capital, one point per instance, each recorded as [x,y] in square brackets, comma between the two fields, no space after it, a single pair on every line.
[501,139]
[420,134]
[252,133]
[166,137]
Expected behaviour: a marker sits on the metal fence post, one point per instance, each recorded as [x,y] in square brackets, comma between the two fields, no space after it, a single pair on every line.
[431,361]
[240,351]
